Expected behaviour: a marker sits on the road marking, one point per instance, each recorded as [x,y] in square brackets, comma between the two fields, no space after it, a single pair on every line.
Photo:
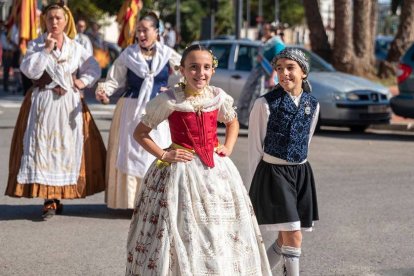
[101,112]
[10,105]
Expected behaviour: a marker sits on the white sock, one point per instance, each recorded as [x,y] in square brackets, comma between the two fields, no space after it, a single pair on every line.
[291,256]
[274,255]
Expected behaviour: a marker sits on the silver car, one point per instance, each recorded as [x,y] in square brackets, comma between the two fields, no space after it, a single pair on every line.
[345,100]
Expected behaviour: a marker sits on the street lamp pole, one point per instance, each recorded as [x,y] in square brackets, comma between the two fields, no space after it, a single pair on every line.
[177,17]
[247,17]
[239,17]
[276,11]
[213,9]
[260,15]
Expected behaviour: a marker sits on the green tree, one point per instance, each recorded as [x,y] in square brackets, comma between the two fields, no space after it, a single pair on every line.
[85,9]
[290,11]
[192,12]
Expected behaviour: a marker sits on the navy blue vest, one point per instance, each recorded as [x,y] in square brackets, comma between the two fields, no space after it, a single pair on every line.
[134,82]
[288,127]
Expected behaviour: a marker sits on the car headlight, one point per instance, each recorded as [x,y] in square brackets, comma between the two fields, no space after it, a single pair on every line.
[342,96]
[339,96]
[352,96]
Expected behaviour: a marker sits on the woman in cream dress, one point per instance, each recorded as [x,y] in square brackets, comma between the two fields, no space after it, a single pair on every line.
[55,135]
[141,71]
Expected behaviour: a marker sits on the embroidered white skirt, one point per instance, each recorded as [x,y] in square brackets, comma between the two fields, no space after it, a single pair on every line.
[193,220]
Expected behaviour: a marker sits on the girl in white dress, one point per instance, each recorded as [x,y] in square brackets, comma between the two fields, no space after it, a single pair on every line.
[193,215]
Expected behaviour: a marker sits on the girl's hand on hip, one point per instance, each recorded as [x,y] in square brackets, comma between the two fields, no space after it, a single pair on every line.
[178,155]
[222,150]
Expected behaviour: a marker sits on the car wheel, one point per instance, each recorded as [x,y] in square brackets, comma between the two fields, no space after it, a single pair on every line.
[358,129]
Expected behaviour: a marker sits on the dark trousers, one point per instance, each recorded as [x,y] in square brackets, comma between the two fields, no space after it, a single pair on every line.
[10,59]
[7,61]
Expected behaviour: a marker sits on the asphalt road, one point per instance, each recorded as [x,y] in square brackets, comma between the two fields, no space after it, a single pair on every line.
[365,185]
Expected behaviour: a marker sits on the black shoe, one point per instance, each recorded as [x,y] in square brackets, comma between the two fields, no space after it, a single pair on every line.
[49,209]
[59,207]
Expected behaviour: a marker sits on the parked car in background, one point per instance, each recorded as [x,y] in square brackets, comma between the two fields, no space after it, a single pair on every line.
[345,100]
[403,104]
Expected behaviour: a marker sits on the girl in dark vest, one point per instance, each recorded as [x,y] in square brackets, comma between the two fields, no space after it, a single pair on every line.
[282,190]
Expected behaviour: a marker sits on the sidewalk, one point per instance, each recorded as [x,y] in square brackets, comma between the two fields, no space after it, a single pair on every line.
[397,123]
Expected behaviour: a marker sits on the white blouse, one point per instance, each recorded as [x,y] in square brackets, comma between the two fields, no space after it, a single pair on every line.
[60,64]
[160,108]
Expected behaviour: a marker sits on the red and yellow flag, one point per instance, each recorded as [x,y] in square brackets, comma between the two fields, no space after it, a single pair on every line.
[24,15]
[127,18]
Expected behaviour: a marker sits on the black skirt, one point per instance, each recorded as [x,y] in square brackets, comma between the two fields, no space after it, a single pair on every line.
[284,193]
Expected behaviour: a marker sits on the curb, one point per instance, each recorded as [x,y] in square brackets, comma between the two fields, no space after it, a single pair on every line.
[395,126]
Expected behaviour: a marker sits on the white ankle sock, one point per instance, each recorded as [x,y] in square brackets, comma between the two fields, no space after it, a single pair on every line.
[291,256]
[274,255]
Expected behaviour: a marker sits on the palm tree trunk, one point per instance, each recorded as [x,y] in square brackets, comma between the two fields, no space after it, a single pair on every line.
[362,38]
[318,37]
[343,56]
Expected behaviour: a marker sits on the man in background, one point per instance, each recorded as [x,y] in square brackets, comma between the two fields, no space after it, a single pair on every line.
[169,35]
[81,37]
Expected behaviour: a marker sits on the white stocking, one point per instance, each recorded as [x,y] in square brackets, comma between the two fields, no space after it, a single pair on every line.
[291,256]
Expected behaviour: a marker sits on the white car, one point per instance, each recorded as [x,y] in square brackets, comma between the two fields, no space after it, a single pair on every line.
[345,100]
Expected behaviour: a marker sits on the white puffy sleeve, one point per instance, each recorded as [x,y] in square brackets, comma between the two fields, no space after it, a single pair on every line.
[35,60]
[174,62]
[227,110]
[157,110]
[259,117]
[116,77]
[314,123]
[89,70]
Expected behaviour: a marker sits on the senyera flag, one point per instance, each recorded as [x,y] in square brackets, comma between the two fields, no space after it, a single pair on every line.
[127,18]
[23,14]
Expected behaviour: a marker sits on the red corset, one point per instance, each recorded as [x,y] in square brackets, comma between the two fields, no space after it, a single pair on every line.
[198,132]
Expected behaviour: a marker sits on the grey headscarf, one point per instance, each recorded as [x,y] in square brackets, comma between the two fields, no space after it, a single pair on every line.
[298,56]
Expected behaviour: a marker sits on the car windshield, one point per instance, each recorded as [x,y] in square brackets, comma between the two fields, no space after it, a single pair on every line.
[317,64]
[222,53]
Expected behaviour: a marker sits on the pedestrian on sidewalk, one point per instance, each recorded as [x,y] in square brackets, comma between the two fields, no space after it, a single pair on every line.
[57,151]
[193,215]
[141,71]
[262,78]
[282,190]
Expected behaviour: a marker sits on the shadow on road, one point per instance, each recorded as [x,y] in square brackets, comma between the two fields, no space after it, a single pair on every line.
[33,212]
[398,271]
